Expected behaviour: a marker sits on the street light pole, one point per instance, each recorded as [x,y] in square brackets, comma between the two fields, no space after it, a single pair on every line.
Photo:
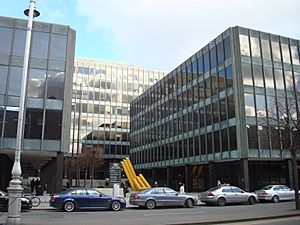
[15,186]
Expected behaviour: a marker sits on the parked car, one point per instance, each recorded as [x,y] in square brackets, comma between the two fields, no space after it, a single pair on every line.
[275,193]
[162,196]
[86,198]
[221,195]
[25,202]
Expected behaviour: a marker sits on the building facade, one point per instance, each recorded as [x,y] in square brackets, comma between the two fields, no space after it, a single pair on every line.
[48,108]
[215,117]
[102,92]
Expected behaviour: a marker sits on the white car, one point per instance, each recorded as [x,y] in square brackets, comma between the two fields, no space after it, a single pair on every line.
[275,193]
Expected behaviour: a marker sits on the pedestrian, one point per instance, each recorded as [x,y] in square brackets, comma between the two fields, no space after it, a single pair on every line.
[68,184]
[36,184]
[32,186]
[219,183]
[125,189]
[181,189]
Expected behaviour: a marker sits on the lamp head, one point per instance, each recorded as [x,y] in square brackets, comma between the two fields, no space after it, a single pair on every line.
[35,13]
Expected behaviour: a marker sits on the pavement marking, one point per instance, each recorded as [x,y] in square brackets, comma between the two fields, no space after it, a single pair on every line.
[174,213]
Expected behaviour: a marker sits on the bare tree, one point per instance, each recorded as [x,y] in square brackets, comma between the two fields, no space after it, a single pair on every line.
[90,158]
[70,167]
[284,126]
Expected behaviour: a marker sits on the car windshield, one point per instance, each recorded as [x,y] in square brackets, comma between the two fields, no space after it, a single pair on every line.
[268,187]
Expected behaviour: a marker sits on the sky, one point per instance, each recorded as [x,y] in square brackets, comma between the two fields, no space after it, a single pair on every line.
[158,34]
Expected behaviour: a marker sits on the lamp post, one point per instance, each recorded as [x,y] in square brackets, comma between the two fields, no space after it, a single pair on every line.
[15,186]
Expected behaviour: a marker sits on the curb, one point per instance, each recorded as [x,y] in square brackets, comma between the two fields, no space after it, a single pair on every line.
[237,220]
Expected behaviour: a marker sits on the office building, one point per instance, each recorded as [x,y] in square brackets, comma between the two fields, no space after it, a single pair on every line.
[47,104]
[214,116]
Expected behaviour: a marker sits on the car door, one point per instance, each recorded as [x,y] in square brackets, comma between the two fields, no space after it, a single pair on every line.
[239,195]
[228,194]
[159,195]
[173,197]
[288,193]
[280,192]
[80,197]
[97,199]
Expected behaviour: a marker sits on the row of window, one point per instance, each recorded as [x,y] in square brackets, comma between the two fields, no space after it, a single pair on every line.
[35,123]
[218,141]
[270,50]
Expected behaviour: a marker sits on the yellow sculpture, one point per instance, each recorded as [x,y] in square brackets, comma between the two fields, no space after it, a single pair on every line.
[137,183]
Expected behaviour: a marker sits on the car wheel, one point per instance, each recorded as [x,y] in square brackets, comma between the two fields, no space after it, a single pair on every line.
[115,206]
[275,199]
[189,203]
[221,202]
[150,204]
[251,200]
[69,206]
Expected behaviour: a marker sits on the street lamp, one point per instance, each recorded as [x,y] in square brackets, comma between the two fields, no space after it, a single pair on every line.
[15,186]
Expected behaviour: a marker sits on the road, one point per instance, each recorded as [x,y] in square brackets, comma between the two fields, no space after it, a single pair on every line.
[132,216]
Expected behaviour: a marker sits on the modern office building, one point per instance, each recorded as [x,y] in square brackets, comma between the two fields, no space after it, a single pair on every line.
[214,116]
[102,92]
[48,101]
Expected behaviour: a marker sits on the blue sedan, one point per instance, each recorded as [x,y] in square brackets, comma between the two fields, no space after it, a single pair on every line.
[86,198]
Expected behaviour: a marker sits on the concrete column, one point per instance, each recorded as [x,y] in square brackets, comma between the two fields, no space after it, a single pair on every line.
[153,176]
[244,182]
[290,173]
[212,174]
[168,177]
[188,178]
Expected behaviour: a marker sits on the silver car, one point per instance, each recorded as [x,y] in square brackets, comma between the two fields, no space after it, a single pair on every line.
[221,195]
[275,193]
[162,196]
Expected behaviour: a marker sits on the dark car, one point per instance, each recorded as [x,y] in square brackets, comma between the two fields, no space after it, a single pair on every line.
[86,198]
[162,196]
[25,202]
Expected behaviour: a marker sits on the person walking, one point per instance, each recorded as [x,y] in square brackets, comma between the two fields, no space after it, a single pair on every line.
[181,189]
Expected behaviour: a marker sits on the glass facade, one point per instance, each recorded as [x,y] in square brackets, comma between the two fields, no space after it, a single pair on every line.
[219,106]
[51,61]
[102,92]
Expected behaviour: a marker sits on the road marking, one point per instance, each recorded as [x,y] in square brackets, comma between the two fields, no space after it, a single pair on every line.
[175,213]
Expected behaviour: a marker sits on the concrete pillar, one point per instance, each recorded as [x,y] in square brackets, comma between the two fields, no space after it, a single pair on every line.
[153,176]
[188,177]
[168,177]
[212,174]
[244,181]
[290,173]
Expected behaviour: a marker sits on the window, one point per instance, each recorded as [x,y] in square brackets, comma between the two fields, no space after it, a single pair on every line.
[261,106]
[279,79]
[220,52]
[232,138]
[3,73]
[15,80]
[265,45]
[213,57]
[55,85]
[11,122]
[252,136]
[39,42]
[206,62]
[249,105]
[255,49]
[227,48]
[244,45]
[5,40]
[33,124]
[268,72]
[19,42]
[295,55]
[258,77]
[276,51]
[285,53]
[58,47]
[53,125]
[36,83]
[247,77]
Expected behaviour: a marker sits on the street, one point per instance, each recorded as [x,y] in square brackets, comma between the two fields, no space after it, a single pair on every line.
[197,215]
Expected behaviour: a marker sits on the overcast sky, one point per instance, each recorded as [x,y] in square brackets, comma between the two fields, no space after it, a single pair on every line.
[158,34]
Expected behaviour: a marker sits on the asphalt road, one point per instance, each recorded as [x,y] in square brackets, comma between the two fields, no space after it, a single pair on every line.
[132,216]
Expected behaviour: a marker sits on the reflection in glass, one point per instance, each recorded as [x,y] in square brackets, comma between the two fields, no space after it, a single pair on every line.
[58,46]
[39,42]
[247,77]
[33,124]
[3,74]
[295,55]
[297,81]
[220,52]
[244,45]
[252,136]
[15,80]
[285,53]
[55,85]
[232,138]
[268,72]
[231,107]
[261,106]
[263,133]
[265,46]
[5,40]
[222,80]
[206,62]
[36,83]
[271,105]
[229,75]
[279,79]
[227,48]
[255,49]
[224,137]
[19,42]
[288,80]
[11,122]
[276,51]
[249,104]
[258,77]
[213,57]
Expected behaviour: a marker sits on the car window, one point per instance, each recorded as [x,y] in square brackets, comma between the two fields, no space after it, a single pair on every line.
[237,190]
[285,188]
[78,192]
[268,187]
[277,188]
[157,191]
[213,188]
[169,191]
[226,190]
[93,192]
